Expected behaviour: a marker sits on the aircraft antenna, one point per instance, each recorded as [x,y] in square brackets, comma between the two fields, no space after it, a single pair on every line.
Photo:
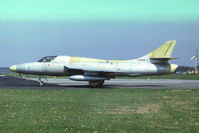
[196,62]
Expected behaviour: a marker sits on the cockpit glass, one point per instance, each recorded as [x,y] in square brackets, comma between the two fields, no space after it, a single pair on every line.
[47,59]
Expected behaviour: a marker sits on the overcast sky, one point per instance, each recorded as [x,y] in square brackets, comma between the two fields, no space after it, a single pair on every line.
[107,29]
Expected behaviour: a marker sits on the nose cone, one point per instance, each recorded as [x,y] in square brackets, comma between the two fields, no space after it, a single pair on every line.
[13,68]
[173,68]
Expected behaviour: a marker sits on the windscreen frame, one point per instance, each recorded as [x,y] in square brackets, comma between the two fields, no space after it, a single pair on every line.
[47,59]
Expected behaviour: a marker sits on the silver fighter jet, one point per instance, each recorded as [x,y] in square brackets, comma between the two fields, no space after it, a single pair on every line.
[96,71]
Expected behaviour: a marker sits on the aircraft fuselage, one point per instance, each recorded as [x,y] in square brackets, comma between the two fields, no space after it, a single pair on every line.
[96,70]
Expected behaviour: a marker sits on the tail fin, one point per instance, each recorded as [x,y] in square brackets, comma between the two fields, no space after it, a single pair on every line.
[164,51]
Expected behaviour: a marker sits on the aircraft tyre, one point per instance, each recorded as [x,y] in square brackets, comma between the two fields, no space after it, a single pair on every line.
[96,83]
[41,83]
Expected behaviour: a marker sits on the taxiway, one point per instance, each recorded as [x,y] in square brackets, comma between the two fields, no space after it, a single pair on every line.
[8,82]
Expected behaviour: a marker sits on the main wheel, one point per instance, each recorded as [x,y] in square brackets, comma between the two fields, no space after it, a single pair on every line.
[96,83]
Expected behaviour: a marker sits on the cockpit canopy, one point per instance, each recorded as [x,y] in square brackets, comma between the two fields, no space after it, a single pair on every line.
[47,59]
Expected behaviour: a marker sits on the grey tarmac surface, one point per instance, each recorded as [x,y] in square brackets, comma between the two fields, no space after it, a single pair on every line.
[7,82]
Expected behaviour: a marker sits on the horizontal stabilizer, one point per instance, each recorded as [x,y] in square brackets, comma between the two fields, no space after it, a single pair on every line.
[165,58]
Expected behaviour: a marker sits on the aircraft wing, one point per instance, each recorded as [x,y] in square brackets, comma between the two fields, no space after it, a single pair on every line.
[90,70]
[92,67]
[99,72]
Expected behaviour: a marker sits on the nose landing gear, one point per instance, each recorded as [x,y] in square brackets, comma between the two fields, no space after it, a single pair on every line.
[41,83]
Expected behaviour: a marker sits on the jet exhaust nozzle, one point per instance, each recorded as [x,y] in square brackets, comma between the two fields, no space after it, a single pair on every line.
[173,68]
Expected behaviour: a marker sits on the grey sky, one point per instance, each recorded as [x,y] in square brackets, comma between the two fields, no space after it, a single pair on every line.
[29,41]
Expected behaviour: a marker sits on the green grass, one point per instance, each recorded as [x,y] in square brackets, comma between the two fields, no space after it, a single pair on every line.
[99,110]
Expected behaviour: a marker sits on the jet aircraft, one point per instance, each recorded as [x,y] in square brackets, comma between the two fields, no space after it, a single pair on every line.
[96,71]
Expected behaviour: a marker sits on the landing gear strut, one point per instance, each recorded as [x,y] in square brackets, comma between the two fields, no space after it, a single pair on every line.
[41,83]
[96,83]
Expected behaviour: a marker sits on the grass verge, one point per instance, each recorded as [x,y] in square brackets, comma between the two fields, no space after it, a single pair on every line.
[99,110]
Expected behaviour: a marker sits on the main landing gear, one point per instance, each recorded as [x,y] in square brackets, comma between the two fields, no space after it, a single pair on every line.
[96,83]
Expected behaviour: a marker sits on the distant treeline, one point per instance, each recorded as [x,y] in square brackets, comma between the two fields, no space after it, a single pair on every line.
[4,70]
[185,69]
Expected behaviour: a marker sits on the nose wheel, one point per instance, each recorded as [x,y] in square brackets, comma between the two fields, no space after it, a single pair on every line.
[96,83]
[41,83]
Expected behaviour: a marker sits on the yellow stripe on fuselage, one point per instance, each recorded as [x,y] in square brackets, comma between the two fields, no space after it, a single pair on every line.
[74,59]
